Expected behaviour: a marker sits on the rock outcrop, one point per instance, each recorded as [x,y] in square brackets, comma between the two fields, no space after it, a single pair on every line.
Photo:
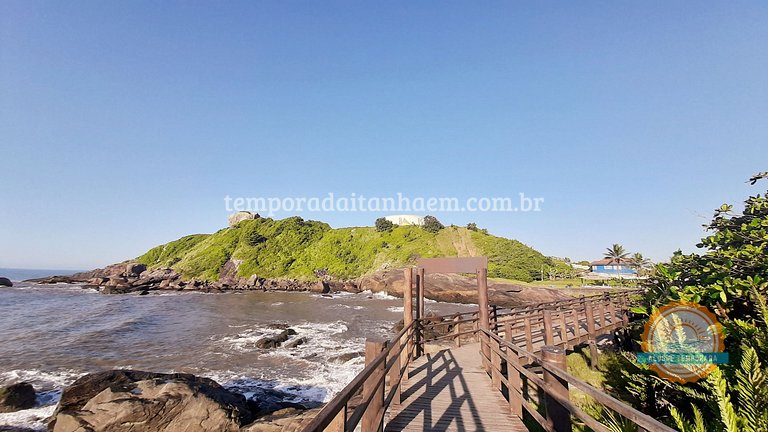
[17,397]
[127,400]
[4,281]
[240,216]
[131,277]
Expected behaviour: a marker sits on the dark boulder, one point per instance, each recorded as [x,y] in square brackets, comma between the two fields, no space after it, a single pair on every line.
[275,341]
[123,400]
[17,397]
[4,281]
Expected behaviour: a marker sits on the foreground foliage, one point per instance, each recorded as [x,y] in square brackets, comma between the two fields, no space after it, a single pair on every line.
[729,277]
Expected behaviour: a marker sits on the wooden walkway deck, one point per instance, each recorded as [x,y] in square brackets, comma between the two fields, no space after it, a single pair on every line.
[449,391]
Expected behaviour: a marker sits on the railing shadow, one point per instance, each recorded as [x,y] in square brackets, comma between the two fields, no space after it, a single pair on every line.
[444,365]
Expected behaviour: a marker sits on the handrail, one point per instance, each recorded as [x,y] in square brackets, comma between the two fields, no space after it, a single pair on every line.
[339,402]
[388,362]
[604,399]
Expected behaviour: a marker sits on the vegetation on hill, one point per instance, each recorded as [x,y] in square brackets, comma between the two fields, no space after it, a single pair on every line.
[297,248]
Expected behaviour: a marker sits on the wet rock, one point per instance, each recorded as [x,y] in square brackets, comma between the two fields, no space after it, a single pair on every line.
[321,287]
[134,269]
[296,342]
[17,397]
[127,400]
[4,281]
[275,341]
[343,358]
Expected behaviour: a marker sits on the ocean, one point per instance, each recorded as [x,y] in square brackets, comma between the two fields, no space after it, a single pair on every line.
[52,334]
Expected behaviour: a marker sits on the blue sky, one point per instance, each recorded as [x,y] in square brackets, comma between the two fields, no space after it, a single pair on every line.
[124,124]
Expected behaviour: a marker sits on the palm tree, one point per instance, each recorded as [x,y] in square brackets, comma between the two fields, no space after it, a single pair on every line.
[639,261]
[616,253]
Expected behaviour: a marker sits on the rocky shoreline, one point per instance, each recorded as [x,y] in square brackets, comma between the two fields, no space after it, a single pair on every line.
[132,277]
[128,400]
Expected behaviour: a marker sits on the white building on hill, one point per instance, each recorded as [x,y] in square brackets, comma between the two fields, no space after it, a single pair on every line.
[405,219]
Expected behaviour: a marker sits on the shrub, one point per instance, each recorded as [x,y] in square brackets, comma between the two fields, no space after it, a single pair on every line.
[383,225]
[432,225]
[472,226]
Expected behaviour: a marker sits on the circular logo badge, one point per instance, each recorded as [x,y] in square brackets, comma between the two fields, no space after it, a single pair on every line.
[682,342]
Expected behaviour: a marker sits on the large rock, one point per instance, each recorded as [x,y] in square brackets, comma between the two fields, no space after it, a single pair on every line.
[275,341]
[240,216]
[127,400]
[4,281]
[17,397]
[134,269]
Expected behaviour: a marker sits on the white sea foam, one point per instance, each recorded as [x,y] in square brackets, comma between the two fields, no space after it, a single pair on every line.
[245,341]
[346,306]
[48,386]
[380,295]
[398,309]
[31,418]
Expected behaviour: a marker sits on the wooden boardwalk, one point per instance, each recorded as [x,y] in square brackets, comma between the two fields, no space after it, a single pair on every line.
[450,391]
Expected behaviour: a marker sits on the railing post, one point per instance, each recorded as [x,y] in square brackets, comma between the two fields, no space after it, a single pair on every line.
[601,313]
[457,330]
[557,414]
[591,334]
[625,308]
[576,326]
[612,311]
[373,388]
[514,383]
[495,364]
[394,371]
[339,423]
[549,338]
[564,328]
[482,303]
[405,357]
[408,304]
[528,337]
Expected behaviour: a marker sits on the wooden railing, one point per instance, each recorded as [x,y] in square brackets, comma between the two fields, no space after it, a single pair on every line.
[512,371]
[545,330]
[365,399]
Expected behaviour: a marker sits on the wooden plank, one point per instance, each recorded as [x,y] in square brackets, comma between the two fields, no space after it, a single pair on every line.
[449,391]
[373,389]
[452,264]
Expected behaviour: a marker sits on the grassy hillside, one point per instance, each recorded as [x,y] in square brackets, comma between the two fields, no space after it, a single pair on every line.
[295,248]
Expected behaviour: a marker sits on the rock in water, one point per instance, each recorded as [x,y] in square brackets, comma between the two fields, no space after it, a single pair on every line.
[5,282]
[126,400]
[17,397]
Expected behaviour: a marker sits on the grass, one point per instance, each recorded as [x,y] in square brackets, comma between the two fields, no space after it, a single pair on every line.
[296,248]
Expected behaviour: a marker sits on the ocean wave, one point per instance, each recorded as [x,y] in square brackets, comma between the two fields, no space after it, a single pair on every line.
[380,295]
[33,418]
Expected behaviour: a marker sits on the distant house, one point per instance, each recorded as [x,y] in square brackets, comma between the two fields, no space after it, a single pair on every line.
[405,219]
[611,267]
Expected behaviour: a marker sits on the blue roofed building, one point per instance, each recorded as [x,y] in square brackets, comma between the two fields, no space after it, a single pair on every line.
[613,267]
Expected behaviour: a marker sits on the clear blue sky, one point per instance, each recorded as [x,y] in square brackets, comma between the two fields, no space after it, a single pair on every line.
[124,124]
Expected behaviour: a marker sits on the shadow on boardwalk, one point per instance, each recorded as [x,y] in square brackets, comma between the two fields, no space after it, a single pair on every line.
[449,391]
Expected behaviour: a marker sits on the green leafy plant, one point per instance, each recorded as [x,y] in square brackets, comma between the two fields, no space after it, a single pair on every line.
[383,225]
[431,224]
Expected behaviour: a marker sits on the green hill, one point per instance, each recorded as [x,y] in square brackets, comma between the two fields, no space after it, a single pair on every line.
[295,248]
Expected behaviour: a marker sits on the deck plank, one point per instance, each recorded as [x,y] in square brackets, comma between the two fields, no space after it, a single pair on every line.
[449,391]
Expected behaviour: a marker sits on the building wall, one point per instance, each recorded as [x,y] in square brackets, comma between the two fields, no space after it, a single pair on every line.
[405,219]
[614,269]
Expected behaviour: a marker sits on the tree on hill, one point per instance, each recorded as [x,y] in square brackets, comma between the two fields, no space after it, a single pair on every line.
[616,253]
[432,225]
[383,225]
[472,226]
